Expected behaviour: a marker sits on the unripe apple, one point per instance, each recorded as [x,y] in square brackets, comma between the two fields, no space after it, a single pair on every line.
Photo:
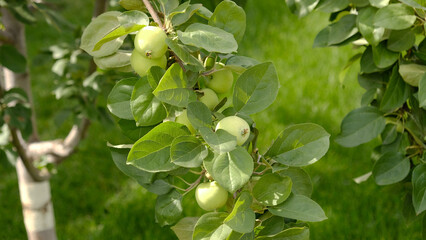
[235,126]
[209,98]
[150,42]
[210,196]
[183,119]
[209,63]
[141,64]
[222,80]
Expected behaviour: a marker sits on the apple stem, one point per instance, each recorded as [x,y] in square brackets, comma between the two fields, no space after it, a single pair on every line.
[194,184]
[183,180]
[178,188]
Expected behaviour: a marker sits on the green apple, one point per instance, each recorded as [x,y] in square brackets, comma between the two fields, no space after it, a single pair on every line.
[209,98]
[150,41]
[210,196]
[222,80]
[142,64]
[235,126]
[183,119]
[209,63]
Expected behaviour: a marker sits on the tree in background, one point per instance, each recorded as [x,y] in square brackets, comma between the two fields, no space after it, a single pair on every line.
[20,141]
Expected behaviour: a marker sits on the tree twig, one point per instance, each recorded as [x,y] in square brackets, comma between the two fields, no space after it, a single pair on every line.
[153,13]
[21,148]
[59,149]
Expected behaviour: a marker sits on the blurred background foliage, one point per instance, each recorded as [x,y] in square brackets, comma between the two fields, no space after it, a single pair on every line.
[93,200]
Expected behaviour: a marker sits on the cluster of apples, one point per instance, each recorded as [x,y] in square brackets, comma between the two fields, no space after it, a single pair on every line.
[150,50]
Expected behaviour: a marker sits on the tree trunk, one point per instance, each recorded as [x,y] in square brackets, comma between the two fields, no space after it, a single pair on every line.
[35,196]
[37,205]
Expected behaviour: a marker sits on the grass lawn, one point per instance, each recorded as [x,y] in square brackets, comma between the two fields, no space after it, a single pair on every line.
[93,200]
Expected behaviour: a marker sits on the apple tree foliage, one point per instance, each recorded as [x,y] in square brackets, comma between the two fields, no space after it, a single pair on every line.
[269,192]
[391,36]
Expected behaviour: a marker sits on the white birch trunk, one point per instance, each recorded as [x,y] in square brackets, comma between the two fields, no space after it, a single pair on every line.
[35,196]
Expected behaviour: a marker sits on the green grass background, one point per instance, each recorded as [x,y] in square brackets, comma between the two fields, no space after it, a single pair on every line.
[93,200]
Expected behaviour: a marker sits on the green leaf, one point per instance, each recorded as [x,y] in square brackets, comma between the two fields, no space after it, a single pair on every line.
[167,6]
[301,8]
[185,228]
[272,189]
[401,40]
[299,207]
[300,145]
[209,225]
[221,141]
[360,126]
[413,3]
[256,89]
[18,116]
[366,26]
[294,233]
[383,57]
[152,152]
[397,92]
[389,135]
[168,208]
[242,217]
[119,156]
[395,16]
[130,130]
[159,187]
[412,73]
[119,98]
[191,62]
[96,30]
[15,94]
[132,5]
[132,18]
[422,91]
[241,61]
[199,115]
[391,168]
[419,188]
[183,16]
[119,32]
[147,110]
[204,13]
[337,32]
[130,22]
[116,60]
[379,3]
[232,170]
[343,29]
[154,75]
[229,17]
[271,226]
[367,62]
[371,81]
[188,151]
[301,182]
[330,6]
[210,38]
[12,59]
[173,88]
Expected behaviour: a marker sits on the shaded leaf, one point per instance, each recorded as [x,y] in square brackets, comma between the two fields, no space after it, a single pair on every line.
[299,207]
[360,126]
[391,168]
[300,145]
[210,38]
